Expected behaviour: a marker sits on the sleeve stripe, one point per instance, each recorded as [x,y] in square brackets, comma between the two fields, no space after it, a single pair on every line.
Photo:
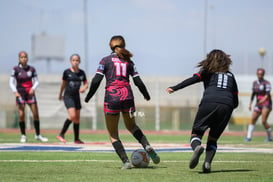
[100,73]
[197,74]
[135,75]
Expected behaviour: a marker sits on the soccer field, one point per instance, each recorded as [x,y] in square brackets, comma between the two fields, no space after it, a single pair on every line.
[96,160]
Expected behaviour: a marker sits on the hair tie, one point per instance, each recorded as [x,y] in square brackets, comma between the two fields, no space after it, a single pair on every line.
[113,48]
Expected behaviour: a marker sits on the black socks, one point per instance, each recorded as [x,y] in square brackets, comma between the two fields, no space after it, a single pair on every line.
[210,151]
[141,138]
[22,127]
[37,127]
[65,127]
[76,128]
[120,151]
[195,141]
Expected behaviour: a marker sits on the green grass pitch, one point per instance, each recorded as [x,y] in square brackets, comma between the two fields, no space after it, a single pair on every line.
[94,166]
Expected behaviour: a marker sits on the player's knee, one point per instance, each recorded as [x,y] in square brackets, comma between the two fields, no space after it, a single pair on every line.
[114,138]
[21,116]
[132,127]
[72,117]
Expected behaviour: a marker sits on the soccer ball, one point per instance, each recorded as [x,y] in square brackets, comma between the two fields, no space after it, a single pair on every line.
[140,158]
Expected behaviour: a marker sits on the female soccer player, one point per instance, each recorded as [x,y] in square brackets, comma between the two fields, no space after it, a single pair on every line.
[220,97]
[117,68]
[261,88]
[26,79]
[71,85]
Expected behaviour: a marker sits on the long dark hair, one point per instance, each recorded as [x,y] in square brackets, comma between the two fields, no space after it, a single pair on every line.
[216,61]
[117,45]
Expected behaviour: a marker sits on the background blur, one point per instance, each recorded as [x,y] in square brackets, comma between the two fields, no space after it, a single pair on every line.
[168,38]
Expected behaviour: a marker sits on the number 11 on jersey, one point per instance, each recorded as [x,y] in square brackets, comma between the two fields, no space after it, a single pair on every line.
[120,68]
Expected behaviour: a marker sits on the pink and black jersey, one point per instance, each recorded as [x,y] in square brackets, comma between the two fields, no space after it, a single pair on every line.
[260,89]
[117,72]
[118,93]
[24,77]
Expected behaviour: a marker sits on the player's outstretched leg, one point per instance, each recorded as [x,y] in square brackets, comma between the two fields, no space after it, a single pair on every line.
[197,151]
[66,125]
[147,147]
[195,156]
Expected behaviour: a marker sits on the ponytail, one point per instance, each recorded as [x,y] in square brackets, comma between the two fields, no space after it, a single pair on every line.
[117,44]
[123,53]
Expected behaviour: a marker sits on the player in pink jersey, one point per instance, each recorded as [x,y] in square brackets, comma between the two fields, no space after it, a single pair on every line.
[117,68]
[26,80]
[261,88]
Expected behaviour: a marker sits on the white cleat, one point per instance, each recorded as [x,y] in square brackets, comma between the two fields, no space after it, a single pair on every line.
[41,138]
[126,165]
[23,139]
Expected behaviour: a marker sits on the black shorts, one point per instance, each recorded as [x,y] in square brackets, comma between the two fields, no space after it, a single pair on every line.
[26,99]
[119,106]
[214,116]
[72,102]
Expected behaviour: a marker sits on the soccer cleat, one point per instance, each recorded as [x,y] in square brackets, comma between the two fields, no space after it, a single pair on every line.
[206,167]
[41,138]
[78,141]
[247,139]
[151,152]
[126,165]
[196,155]
[61,138]
[23,139]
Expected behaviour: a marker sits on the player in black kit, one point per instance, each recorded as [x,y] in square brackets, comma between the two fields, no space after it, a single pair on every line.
[71,85]
[220,97]
[117,68]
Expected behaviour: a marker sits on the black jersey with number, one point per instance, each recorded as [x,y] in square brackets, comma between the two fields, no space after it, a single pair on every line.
[219,87]
[73,81]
